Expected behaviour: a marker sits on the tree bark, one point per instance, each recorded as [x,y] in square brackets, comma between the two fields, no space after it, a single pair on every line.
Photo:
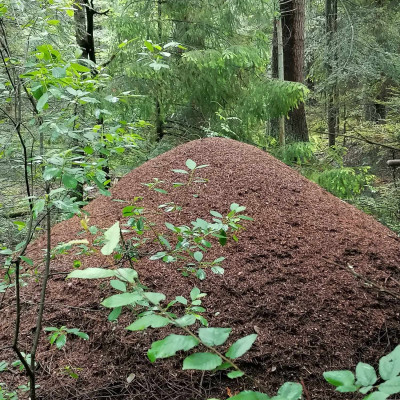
[282,138]
[293,18]
[331,14]
[84,28]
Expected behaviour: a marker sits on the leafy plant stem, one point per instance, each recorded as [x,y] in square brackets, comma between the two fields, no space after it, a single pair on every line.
[15,346]
[212,349]
[42,294]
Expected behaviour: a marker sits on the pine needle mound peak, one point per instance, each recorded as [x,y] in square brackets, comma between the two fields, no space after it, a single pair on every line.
[287,279]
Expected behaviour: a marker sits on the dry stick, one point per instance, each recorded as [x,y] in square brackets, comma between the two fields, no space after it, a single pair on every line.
[366,280]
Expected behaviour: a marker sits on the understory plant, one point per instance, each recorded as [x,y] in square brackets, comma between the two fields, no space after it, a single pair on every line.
[366,380]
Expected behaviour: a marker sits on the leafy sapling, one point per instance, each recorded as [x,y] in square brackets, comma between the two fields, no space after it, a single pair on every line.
[59,335]
[366,380]
[154,186]
[191,172]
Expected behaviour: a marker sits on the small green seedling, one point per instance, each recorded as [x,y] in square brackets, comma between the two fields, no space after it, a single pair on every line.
[191,172]
[154,186]
[59,335]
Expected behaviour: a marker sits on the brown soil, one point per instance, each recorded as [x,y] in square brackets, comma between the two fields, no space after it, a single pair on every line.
[287,279]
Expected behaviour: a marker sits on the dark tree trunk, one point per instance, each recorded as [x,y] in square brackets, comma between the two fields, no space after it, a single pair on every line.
[293,17]
[331,14]
[80,27]
[84,27]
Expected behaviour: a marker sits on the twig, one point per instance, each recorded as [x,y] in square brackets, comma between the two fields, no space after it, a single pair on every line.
[306,392]
[350,268]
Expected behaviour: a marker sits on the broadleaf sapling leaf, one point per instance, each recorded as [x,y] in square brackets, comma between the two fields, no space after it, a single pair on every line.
[202,361]
[214,336]
[112,236]
[169,346]
[241,346]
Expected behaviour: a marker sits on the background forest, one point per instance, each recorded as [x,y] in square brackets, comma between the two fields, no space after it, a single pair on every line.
[91,89]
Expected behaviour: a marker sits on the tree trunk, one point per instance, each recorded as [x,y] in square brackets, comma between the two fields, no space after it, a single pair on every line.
[282,138]
[80,27]
[331,14]
[293,18]
[84,26]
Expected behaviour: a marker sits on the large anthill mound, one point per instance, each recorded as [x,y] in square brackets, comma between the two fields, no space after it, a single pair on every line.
[287,279]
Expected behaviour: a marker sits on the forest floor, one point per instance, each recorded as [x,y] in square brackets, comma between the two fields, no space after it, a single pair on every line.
[287,278]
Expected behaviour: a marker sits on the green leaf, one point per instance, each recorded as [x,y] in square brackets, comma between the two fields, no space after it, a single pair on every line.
[119,285]
[181,300]
[80,67]
[194,293]
[153,320]
[38,207]
[61,340]
[340,378]
[202,361]
[81,335]
[365,374]
[391,386]
[87,99]
[180,171]
[119,300]
[111,99]
[191,164]
[222,237]
[161,190]
[365,390]
[114,314]
[214,336]
[235,374]
[217,270]
[92,273]
[169,346]
[126,274]
[165,242]
[69,181]
[29,261]
[198,256]
[201,274]
[250,395]
[290,391]
[241,346]
[186,320]
[149,45]
[170,226]
[42,101]
[389,365]
[50,173]
[377,396]
[154,298]
[112,236]
[58,72]
[216,214]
